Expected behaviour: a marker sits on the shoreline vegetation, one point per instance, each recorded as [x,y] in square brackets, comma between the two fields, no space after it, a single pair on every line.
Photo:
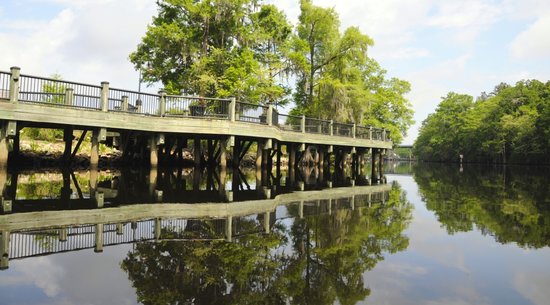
[510,125]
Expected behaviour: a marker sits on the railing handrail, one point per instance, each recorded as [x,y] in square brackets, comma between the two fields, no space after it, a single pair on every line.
[59,81]
[377,133]
[198,98]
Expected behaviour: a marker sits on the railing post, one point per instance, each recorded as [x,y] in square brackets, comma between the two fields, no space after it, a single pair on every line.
[124,106]
[303,124]
[69,96]
[270,114]
[384,135]
[14,84]
[232,108]
[353,130]
[104,96]
[370,133]
[331,127]
[162,102]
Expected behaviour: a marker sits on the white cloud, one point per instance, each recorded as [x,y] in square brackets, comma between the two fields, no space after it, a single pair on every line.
[534,42]
[468,19]
[47,279]
[533,287]
[86,41]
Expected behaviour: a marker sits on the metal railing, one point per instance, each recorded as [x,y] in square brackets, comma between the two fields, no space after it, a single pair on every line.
[55,92]
[5,85]
[377,134]
[363,132]
[134,102]
[191,106]
[290,122]
[342,130]
[317,126]
[253,113]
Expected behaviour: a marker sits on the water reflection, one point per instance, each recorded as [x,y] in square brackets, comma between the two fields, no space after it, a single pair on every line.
[213,237]
[317,257]
[61,190]
[510,203]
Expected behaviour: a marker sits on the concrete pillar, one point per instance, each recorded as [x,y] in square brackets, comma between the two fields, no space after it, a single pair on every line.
[162,102]
[278,160]
[94,154]
[331,127]
[63,234]
[98,238]
[4,250]
[153,174]
[381,164]
[68,138]
[119,229]
[229,228]
[232,109]
[153,151]
[270,115]
[14,84]
[301,209]
[259,155]
[236,154]
[197,152]
[303,124]
[3,179]
[267,228]
[374,155]
[4,144]
[321,152]
[352,203]
[330,206]
[223,153]
[98,197]
[69,96]
[222,182]
[104,96]
[124,106]
[157,229]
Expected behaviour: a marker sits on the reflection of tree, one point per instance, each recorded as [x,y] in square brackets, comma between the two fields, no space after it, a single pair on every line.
[510,205]
[335,250]
[316,260]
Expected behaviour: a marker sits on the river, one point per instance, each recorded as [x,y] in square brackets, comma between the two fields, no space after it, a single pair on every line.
[426,234]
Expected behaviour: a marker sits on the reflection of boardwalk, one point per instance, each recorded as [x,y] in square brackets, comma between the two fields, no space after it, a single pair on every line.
[41,233]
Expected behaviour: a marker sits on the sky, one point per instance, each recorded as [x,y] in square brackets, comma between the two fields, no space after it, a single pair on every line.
[439,46]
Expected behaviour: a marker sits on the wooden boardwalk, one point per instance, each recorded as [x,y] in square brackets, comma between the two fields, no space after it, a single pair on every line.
[157,127]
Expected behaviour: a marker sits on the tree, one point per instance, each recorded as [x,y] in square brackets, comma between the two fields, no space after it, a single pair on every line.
[337,80]
[216,48]
[248,50]
[509,205]
[509,125]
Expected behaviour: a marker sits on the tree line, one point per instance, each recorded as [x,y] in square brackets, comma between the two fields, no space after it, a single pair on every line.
[509,125]
[249,50]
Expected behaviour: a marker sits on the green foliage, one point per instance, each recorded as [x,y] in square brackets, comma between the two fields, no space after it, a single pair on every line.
[55,91]
[509,125]
[509,204]
[44,134]
[318,259]
[216,48]
[337,80]
[248,50]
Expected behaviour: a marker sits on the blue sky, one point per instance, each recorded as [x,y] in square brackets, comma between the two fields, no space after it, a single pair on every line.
[466,46]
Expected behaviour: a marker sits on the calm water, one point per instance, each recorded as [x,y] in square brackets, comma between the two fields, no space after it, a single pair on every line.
[429,235]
